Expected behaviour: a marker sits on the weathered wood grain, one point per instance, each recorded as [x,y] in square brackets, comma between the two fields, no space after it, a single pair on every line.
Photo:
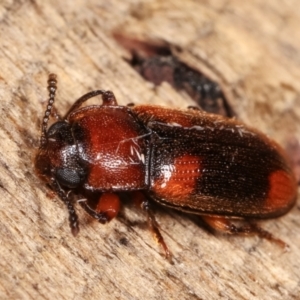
[252,48]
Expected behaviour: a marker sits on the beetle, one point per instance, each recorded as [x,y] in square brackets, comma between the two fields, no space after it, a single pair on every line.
[188,160]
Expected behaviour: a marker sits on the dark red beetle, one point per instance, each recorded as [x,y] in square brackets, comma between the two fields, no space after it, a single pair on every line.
[184,159]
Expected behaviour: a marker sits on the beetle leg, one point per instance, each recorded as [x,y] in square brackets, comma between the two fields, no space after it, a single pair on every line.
[106,209]
[108,98]
[142,202]
[73,218]
[226,225]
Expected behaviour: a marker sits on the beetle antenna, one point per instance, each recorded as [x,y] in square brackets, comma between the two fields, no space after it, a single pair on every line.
[73,218]
[52,87]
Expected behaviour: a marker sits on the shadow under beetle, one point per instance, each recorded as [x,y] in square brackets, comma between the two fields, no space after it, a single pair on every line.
[188,160]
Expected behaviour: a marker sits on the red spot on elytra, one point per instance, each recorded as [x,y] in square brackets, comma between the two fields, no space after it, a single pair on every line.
[178,180]
[283,190]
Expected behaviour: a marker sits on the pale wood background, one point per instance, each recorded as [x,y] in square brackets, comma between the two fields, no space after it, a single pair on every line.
[251,47]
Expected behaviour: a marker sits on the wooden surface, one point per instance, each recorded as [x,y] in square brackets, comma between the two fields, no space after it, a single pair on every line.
[252,48]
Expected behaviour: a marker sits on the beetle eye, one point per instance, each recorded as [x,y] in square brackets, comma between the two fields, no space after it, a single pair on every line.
[70,178]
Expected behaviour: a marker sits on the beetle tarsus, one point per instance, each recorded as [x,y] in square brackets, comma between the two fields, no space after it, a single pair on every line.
[83,99]
[255,229]
[247,228]
[107,207]
[109,98]
[100,216]
[145,205]
[155,230]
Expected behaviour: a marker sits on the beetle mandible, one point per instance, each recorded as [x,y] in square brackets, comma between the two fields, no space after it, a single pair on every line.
[188,160]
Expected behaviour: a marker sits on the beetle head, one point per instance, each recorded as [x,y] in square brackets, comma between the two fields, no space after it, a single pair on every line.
[57,158]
